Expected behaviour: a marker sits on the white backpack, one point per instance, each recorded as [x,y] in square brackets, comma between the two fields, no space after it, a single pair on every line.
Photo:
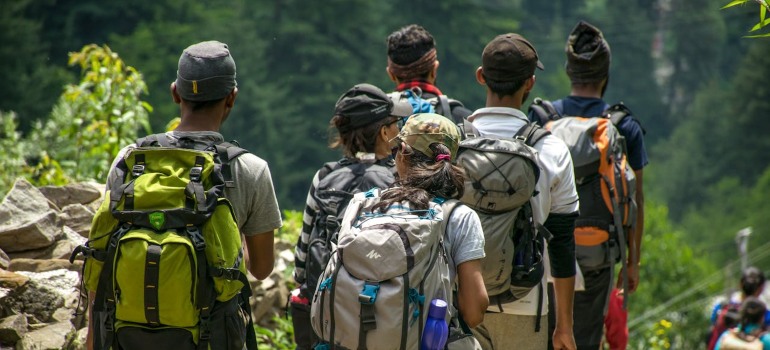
[378,284]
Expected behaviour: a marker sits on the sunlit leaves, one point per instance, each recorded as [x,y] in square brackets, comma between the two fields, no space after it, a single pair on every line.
[94,118]
[763,20]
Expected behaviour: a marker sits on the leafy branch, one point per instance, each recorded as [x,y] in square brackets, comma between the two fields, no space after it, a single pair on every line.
[763,19]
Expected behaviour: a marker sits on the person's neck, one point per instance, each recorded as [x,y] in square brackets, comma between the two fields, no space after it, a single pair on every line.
[510,101]
[198,122]
[588,92]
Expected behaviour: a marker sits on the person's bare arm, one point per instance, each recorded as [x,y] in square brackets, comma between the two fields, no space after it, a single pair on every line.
[564,292]
[90,333]
[471,294]
[260,254]
[635,243]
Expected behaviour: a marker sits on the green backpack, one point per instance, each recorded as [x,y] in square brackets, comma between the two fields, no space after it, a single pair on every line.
[164,247]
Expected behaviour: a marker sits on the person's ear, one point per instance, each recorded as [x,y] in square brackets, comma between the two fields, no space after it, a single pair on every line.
[529,84]
[480,76]
[384,132]
[230,99]
[433,73]
[174,94]
[391,75]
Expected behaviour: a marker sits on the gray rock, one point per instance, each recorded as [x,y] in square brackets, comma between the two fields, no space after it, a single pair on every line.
[44,265]
[12,328]
[61,249]
[39,298]
[78,217]
[75,193]
[79,340]
[26,221]
[53,336]
[4,260]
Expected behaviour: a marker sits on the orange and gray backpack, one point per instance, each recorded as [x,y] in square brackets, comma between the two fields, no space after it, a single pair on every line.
[606,184]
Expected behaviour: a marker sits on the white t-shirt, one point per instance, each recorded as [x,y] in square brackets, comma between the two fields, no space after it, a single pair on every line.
[556,185]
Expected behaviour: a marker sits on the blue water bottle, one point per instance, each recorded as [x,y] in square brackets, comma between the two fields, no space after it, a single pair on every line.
[436,329]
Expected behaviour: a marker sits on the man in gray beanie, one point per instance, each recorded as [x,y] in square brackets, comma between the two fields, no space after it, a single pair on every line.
[588,67]
[205,90]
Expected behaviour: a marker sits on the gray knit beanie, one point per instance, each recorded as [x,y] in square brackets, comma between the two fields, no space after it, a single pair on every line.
[206,72]
[588,54]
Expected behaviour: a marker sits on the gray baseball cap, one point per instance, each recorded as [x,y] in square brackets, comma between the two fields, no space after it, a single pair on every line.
[206,72]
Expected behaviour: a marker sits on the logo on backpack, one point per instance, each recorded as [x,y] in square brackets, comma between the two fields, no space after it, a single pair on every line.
[374,303]
[606,184]
[164,247]
[501,178]
[157,220]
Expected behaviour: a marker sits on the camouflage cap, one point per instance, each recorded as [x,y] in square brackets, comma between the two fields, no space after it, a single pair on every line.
[422,130]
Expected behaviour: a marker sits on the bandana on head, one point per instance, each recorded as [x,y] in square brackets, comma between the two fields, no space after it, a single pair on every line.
[415,69]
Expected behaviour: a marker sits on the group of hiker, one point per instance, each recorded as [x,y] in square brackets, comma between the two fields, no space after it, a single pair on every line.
[741,320]
[513,220]
[532,210]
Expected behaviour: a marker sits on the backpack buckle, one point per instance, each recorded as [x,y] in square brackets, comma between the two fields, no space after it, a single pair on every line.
[196,238]
[137,170]
[229,274]
[195,173]
[369,294]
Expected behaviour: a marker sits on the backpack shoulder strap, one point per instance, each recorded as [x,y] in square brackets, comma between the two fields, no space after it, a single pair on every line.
[153,140]
[531,133]
[332,166]
[446,111]
[618,112]
[448,206]
[227,152]
[543,111]
[469,131]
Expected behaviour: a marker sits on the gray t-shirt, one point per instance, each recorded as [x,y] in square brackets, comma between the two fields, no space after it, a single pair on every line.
[253,197]
[465,238]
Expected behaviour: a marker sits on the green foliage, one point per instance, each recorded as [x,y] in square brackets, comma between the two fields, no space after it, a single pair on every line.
[281,337]
[676,286]
[12,162]
[92,119]
[30,81]
[763,19]
[87,127]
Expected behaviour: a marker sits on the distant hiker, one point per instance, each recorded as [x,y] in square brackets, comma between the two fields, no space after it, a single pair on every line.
[365,120]
[403,247]
[602,238]
[750,333]
[508,73]
[725,314]
[165,263]
[413,66]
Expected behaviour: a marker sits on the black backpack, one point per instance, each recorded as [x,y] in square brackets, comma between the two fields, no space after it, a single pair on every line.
[338,182]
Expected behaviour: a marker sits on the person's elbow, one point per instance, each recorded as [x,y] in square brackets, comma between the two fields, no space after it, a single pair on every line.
[472,293]
[261,253]
[474,316]
[261,271]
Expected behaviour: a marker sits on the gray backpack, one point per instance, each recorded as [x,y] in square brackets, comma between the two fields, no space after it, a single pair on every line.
[376,288]
[501,175]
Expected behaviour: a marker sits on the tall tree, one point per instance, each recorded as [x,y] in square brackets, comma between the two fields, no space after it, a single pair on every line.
[31,82]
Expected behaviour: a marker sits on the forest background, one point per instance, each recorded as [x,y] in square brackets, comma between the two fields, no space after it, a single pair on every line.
[684,67]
